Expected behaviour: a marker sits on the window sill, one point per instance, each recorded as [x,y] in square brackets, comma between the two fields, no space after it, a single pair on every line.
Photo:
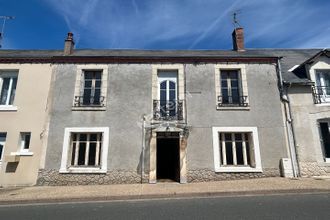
[88,108]
[238,169]
[238,108]
[323,104]
[83,170]
[21,153]
[8,108]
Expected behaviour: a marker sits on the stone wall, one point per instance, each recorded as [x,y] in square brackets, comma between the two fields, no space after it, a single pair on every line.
[309,169]
[205,175]
[54,178]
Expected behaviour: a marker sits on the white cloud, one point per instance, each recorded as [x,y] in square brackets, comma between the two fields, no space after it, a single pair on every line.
[189,23]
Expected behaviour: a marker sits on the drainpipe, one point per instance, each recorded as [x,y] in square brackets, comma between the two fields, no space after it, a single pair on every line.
[143,146]
[289,125]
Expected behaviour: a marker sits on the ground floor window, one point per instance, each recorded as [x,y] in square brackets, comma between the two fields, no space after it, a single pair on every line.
[325,139]
[2,144]
[236,149]
[85,150]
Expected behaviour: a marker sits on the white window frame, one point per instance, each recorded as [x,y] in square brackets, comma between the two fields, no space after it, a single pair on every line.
[22,142]
[79,84]
[241,68]
[216,149]
[66,158]
[12,74]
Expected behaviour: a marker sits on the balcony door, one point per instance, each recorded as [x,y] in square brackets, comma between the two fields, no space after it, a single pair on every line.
[167,93]
[323,85]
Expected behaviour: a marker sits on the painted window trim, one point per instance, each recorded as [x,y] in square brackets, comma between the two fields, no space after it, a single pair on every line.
[9,73]
[104,86]
[216,152]
[242,73]
[66,145]
[8,108]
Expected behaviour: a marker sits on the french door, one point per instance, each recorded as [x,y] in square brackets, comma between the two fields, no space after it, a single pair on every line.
[167,92]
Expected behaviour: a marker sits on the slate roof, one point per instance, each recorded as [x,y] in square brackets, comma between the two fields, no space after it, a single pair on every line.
[290,57]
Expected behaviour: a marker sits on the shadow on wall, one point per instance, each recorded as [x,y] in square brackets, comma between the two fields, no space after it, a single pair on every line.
[11,167]
[146,154]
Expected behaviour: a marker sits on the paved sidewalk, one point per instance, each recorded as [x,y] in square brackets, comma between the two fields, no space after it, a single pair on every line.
[40,194]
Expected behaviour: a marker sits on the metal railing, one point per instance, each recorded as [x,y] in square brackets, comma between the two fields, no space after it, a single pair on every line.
[92,101]
[168,110]
[321,94]
[228,101]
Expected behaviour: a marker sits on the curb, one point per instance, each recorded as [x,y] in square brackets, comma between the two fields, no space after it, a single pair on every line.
[163,196]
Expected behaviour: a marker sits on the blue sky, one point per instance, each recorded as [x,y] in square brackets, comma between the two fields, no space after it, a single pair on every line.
[165,24]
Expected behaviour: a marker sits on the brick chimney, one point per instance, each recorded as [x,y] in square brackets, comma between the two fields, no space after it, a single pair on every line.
[68,44]
[238,39]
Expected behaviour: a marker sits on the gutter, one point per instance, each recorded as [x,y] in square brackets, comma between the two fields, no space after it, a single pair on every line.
[289,122]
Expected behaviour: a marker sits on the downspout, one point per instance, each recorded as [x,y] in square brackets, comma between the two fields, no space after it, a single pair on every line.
[143,146]
[289,125]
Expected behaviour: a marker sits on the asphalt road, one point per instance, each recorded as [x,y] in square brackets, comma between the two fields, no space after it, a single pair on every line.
[294,206]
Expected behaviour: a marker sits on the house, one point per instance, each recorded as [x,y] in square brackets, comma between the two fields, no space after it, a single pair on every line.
[307,92]
[130,116]
[147,116]
[24,90]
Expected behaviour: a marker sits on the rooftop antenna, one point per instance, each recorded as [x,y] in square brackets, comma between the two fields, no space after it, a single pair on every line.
[235,19]
[3,27]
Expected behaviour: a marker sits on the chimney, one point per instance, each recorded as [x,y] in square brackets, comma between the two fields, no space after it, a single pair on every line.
[68,44]
[238,39]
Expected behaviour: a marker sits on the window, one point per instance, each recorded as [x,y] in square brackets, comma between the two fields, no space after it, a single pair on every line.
[236,149]
[2,144]
[91,86]
[325,138]
[25,141]
[322,87]
[231,86]
[8,81]
[85,150]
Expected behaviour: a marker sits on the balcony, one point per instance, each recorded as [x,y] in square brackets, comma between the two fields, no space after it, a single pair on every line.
[168,110]
[92,101]
[321,94]
[232,101]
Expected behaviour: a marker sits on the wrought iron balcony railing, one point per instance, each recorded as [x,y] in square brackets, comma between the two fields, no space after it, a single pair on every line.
[232,101]
[92,101]
[168,110]
[321,94]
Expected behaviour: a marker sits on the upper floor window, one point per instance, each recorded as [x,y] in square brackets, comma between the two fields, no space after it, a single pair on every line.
[8,81]
[91,86]
[231,86]
[321,90]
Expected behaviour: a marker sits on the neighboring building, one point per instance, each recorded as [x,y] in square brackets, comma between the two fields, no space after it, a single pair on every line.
[24,89]
[308,92]
[131,116]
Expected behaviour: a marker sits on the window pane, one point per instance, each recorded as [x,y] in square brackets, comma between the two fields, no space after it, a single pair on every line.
[235,95]
[1,149]
[239,153]
[233,75]
[172,95]
[93,137]
[81,154]
[98,84]
[172,85]
[92,154]
[73,153]
[83,137]
[163,85]
[224,75]
[162,94]
[224,84]
[234,83]
[13,91]
[98,75]
[4,91]
[88,75]
[87,97]
[88,84]
[248,156]
[228,137]
[97,97]
[229,153]
[238,136]
[27,138]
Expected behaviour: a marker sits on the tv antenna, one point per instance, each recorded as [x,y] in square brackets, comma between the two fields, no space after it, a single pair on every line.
[5,18]
[235,19]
